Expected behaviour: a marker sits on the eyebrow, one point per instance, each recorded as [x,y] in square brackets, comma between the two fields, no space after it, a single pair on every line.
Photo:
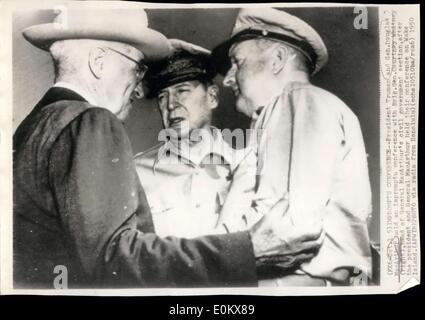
[235,55]
[233,50]
[183,84]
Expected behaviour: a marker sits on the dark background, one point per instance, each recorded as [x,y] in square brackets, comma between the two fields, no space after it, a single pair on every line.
[352,72]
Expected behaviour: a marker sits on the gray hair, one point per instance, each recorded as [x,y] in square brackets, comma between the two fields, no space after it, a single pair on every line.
[70,55]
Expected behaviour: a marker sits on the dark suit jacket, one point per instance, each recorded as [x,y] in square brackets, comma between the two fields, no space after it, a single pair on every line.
[78,203]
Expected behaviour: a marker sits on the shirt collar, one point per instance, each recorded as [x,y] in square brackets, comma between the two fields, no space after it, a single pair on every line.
[83,93]
[256,113]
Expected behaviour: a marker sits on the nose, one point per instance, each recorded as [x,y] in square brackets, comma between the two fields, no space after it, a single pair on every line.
[171,103]
[229,78]
[139,93]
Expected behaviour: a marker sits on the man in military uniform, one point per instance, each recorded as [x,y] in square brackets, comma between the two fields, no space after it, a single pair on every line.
[187,177]
[310,149]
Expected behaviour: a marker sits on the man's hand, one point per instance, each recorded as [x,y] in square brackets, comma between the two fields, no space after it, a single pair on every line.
[178,44]
[278,242]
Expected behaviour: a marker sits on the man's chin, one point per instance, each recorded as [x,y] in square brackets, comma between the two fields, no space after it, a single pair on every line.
[243,107]
[122,115]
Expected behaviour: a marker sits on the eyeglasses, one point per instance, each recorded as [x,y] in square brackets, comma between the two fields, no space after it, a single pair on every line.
[141,67]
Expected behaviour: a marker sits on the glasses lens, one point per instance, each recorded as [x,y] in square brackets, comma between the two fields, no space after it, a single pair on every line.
[141,67]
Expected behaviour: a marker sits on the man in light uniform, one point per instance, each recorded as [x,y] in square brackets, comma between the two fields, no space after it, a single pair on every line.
[187,176]
[310,150]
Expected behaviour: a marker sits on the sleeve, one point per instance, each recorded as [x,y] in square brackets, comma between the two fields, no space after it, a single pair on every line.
[237,212]
[315,142]
[297,153]
[321,185]
[108,224]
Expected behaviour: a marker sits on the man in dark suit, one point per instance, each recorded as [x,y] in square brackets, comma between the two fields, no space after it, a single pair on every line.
[77,199]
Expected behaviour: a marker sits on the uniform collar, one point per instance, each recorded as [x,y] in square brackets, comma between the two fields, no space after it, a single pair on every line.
[256,113]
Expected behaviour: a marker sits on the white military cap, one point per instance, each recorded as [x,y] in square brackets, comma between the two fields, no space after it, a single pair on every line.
[276,24]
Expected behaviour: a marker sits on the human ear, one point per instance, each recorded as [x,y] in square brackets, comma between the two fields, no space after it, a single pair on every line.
[97,62]
[212,92]
[279,59]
